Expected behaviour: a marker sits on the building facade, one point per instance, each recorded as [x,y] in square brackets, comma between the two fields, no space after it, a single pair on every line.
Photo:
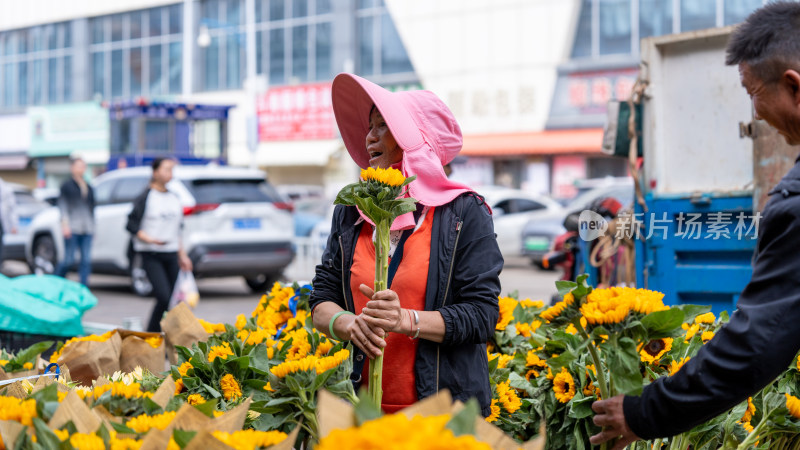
[528,80]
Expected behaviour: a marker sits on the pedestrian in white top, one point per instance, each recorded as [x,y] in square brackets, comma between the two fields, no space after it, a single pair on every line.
[156,222]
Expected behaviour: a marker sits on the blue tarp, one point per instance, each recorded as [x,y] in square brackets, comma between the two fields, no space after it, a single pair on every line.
[43,304]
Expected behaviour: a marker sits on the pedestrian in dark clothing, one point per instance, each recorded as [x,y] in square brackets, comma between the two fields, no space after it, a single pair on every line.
[156,222]
[761,338]
[76,204]
[433,322]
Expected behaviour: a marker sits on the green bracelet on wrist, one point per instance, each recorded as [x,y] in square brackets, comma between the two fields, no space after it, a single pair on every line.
[333,319]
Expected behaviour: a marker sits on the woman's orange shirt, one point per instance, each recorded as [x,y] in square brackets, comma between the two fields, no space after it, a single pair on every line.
[410,283]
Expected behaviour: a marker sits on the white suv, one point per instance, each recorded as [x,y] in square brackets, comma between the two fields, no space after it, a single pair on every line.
[235,223]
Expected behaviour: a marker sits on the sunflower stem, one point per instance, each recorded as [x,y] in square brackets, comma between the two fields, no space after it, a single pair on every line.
[598,363]
[753,436]
[375,389]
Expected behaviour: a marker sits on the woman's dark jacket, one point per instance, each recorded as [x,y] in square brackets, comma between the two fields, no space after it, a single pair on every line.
[463,285]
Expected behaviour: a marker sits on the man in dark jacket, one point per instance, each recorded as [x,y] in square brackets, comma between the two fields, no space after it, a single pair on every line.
[761,339]
[76,203]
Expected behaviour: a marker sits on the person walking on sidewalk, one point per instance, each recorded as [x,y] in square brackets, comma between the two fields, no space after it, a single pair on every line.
[76,204]
[156,223]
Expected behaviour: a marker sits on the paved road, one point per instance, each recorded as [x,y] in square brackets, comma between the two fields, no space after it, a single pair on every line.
[222,299]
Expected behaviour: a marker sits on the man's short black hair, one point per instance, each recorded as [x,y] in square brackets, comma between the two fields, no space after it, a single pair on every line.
[768,41]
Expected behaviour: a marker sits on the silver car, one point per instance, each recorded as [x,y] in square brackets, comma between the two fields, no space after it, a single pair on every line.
[235,223]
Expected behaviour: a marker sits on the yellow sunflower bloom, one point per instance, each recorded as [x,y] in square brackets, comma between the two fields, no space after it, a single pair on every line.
[144,423]
[554,311]
[179,386]
[564,386]
[528,303]
[653,351]
[196,399]
[495,411]
[80,441]
[230,387]
[22,411]
[250,439]
[327,363]
[747,426]
[241,322]
[707,336]
[507,306]
[751,409]
[390,176]
[705,318]
[220,351]
[675,366]
[508,397]
[183,369]
[793,405]
[62,435]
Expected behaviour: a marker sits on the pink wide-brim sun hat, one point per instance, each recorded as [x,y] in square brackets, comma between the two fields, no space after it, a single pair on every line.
[421,124]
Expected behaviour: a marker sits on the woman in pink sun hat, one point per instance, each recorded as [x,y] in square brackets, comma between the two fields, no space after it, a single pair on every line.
[433,322]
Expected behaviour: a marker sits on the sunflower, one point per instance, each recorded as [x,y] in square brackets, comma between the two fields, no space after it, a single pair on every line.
[184,368]
[196,399]
[390,177]
[533,360]
[179,386]
[707,336]
[607,306]
[645,301]
[80,441]
[654,350]
[507,306]
[705,318]
[554,311]
[747,426]
[230,387]
[508,397]
[690,330]
[241,322]
[495,411]
[675,366]
[327,363]
[751,409]
[793,405]
[144,423]
[564,386]
[528,303]
[220,351]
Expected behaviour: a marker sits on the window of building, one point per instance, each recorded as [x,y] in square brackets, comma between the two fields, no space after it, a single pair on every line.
[223,58]
[137,53]
[36,65]
[613,27]
[380,49]
[293,40]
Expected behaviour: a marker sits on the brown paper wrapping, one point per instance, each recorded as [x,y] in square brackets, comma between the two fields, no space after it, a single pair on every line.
[9,431]
[14,390]
[164,392]
[181,329]
[73,409]
[136,352]
[334,413]
[88,360]
[232,420]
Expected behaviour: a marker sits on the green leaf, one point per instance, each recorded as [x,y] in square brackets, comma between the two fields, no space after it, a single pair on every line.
[692,311]
[267,422]
[464,422]
[122,429]
[366,410]
[44,435]
[623,363]
[29,354]
[562,360]
[661,324]
[581,407]
[182,437]
[151,407]
[565,287]
[208,407]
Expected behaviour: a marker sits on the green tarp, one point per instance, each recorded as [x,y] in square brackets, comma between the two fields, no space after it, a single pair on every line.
[43,304]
